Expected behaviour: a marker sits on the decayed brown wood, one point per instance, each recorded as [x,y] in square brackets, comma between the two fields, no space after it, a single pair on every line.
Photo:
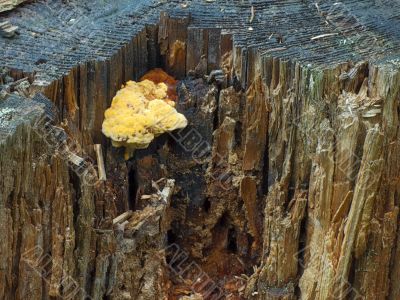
[39,192]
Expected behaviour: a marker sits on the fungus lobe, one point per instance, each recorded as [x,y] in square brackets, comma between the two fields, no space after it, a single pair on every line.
[141,111]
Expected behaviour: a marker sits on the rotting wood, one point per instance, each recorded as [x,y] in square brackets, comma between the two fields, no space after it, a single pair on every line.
[296,133]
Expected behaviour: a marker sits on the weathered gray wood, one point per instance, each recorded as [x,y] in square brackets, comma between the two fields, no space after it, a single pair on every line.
[9,4]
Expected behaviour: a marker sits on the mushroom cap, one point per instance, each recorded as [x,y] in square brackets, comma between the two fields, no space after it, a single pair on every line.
[139,112]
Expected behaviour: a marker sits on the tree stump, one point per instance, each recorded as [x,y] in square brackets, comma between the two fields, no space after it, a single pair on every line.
[285,182]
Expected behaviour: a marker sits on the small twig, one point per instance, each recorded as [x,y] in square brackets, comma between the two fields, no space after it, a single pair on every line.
[317,7]
[155,186]
[252,14]
[245,277]
[323,35]
[100,162]
[160,180]
[242,277]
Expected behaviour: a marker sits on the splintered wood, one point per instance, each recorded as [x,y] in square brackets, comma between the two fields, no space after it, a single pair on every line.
[9,4]
[7,30]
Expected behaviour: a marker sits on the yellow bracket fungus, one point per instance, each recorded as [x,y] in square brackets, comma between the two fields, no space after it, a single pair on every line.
[139,112]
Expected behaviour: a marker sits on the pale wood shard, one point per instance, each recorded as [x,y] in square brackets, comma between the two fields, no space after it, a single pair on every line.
[7,30]
[100,162]
[167,191]
[123,217]
[6,5]
[323,36]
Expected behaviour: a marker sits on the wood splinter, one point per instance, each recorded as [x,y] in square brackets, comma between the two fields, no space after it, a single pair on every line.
[122,217]
[252,15]
[100,162]
[7,30]
[167,191]
[323,36]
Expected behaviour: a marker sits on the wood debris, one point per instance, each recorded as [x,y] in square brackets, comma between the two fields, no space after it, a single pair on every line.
[7,30]
[123,217]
